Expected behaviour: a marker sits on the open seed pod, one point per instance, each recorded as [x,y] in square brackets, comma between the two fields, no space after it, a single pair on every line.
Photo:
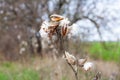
[65,28]
[56,17]
[81,62]
[70,58]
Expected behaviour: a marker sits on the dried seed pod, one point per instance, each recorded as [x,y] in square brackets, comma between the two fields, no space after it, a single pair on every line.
[81,62]
[97,76]
[70,58]
[65,28]
[56,17]
[63,31]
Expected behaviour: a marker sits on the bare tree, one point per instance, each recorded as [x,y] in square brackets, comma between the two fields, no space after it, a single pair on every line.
[20,20]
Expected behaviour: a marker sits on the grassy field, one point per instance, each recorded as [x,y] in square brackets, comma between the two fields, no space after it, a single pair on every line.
[14,71]
[51,69]
[41,69]
[57,69]
[110,51]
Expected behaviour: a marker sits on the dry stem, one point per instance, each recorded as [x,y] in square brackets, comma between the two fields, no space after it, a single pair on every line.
[75,72]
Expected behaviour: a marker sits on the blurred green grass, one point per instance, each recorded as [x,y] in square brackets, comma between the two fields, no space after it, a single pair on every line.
[11,71]
[40,69]
[110,51]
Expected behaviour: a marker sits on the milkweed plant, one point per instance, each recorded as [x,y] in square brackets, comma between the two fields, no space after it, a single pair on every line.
[61,25]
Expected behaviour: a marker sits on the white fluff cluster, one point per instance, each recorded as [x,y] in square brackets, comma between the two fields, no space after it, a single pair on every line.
[45,26]
[87,66]
[64,22]
[44,34]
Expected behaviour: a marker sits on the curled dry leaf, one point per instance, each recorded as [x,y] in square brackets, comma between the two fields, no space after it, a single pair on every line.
[70,58]
[87,66]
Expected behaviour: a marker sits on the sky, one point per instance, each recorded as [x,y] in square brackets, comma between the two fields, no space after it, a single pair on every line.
[113,13]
